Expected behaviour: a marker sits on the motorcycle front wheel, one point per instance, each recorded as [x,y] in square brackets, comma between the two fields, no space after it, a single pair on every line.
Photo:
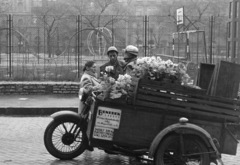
[61,141]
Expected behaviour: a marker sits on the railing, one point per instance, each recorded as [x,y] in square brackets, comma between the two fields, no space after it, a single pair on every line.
[55,48]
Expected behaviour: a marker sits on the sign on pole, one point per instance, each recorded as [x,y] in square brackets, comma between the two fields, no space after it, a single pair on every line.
[180,16]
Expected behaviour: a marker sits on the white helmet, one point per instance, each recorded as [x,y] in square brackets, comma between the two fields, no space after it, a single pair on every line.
[132,50]
[112,49]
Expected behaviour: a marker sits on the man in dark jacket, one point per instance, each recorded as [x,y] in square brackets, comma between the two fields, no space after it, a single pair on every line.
[113,61]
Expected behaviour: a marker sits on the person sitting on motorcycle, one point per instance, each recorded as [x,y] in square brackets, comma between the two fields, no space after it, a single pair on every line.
[113,61]
[130,57]
[88,82]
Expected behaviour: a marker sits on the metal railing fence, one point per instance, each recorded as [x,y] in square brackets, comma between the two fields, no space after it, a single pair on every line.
[52,47]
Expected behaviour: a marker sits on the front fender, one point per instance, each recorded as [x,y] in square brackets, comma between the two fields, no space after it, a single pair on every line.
[191,129]
[61,114]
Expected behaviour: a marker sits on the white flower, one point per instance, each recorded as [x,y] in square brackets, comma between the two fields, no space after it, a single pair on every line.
[109,68]
[159,59]
[140,61]
[111,80]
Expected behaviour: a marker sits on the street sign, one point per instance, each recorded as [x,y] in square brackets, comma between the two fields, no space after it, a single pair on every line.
[180,16]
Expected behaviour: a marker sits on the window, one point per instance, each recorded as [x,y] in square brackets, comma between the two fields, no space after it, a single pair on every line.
[37,3]
[20,6]
[229,30]
[237,9]
[4,23]
[34,20]
[20,23]
[51,1]
[139,11]
[6,5]
[151,10]
[235,49]
[236,30]
[5,1]
[229,49]
[230,10]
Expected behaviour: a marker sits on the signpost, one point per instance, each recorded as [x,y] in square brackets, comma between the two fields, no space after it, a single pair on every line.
[180,16]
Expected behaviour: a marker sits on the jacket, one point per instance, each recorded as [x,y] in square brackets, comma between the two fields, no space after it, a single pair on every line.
[116,71]
[128,67]
[87,82]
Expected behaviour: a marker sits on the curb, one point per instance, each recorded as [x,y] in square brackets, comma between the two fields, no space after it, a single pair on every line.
[33,111]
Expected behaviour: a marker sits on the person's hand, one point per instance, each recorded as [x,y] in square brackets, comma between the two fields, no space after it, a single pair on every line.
[96,88]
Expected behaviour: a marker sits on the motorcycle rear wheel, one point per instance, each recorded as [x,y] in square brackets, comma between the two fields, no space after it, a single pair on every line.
[169,152]
[59,139]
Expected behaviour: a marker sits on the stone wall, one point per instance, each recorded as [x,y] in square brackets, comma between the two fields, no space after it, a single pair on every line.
[25,88]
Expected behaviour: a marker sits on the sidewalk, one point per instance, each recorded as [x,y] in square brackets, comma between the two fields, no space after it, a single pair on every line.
[36,104]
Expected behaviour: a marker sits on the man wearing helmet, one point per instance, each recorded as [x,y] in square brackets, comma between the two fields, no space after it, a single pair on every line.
[130,57]
[113,61]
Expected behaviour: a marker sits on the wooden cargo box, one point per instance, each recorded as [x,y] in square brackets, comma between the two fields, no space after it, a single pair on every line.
[152,107]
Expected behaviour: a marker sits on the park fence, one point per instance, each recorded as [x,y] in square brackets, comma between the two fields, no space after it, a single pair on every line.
[52,47]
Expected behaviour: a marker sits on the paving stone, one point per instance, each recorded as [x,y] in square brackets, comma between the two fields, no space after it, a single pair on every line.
[21,143]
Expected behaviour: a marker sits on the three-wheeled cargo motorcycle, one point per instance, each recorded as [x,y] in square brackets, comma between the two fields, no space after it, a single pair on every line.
[168,125]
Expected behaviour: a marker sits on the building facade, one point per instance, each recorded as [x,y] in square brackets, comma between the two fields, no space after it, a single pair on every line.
[145,7]
[15,6]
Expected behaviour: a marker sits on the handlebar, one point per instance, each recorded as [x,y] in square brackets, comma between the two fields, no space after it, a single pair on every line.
[93,94]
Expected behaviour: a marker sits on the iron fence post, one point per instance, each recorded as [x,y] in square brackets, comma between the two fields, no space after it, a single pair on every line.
[44,44]
[38,44]
[78,41]
[205,46]
[112,32]
[145,35]
[81,28]
[211,39]
[147,25]
[10,43]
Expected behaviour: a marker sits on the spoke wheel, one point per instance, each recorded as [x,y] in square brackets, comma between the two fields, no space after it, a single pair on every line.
[60,141]
[169,152]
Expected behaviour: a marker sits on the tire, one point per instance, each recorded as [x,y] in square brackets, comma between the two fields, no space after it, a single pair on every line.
[60,143]
[169,151]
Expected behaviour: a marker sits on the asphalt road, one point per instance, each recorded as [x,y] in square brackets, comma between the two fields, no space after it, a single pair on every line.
[21,143]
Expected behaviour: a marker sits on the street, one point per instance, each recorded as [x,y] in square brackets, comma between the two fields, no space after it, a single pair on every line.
[21,143]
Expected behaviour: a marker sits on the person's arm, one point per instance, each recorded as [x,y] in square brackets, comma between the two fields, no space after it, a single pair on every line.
[86,83]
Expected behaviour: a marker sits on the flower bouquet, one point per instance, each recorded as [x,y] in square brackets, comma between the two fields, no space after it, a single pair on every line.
[156,69]
[121,86]
[111,88]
